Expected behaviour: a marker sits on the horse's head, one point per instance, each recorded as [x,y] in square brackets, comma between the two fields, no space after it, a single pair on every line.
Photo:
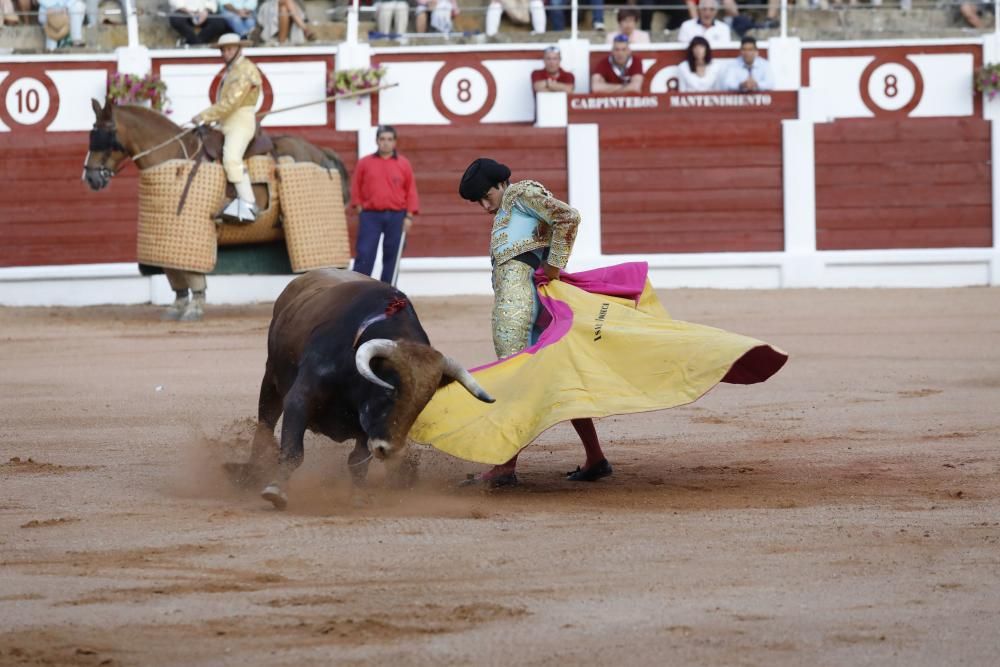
[106,152]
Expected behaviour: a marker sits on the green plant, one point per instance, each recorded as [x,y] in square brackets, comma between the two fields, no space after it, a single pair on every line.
[347,81]
[988,79]
[135,89]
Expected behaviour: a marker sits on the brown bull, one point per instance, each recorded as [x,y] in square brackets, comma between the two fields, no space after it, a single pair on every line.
[346,357]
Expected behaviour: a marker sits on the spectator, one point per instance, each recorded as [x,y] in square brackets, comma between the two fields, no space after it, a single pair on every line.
[516,11]
[706,25]
[628,26]
[698,73]
[9,13]
[552,77]
[241,15]
[619,72]
[94,13]
[749,72]
[441,12]
[677,11]
[284,19]
[26,8]
[557,15]
[972,12]
[196,21]
[384,190]
[60,18]
[389,12]
[596,13]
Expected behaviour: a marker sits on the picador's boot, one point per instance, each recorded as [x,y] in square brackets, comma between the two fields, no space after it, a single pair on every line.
[243,209]
[176,309]
[195,309]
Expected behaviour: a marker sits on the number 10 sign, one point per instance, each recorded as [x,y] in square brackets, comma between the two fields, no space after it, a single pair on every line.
[27,101]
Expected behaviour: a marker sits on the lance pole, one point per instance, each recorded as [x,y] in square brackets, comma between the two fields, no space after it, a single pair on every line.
[332,98]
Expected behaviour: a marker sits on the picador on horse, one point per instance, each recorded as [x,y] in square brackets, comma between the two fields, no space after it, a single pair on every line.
[234,110]
[149,138]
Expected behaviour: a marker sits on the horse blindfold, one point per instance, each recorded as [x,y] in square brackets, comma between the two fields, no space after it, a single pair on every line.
[104,139]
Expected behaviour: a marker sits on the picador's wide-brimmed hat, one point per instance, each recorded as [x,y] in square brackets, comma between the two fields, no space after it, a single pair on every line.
[480,176]
[231,39]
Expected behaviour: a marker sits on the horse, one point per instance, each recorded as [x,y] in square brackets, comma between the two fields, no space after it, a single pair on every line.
[148,138]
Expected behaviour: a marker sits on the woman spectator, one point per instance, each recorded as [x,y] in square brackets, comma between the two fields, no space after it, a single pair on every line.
[284,20]
[698,73]
[628,25]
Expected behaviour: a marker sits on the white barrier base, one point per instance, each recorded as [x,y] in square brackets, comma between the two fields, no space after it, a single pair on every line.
[95,284]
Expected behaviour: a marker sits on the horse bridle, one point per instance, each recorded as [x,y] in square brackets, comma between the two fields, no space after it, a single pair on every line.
[105,139]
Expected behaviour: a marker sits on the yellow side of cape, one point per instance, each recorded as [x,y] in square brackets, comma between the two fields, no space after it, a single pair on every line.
[618,357]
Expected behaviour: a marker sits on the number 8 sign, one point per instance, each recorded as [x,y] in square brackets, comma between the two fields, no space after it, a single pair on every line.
[464,93]
[891,87]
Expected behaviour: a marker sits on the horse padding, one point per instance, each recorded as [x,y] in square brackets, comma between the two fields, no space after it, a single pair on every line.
[266,227]
[186,241]
[312,205]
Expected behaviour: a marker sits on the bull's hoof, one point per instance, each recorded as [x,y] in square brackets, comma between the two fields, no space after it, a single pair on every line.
[500,481]
[274,495]
[243,475]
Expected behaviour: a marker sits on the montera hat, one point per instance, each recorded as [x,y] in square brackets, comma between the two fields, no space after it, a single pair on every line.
[482,175]
[231,39]
[57,24]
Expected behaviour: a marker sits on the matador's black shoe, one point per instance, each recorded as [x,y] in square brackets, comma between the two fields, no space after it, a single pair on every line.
[595,472]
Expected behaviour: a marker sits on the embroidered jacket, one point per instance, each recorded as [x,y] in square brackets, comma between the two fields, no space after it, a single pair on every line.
[530,218]
[241,86]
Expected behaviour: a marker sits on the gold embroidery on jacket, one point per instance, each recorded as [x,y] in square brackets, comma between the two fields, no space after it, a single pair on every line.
[556,230]
[240,87]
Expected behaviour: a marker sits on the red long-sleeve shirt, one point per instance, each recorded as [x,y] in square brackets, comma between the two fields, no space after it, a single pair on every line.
[384,184]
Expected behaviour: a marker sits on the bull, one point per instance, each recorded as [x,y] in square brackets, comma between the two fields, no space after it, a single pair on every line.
[347,358]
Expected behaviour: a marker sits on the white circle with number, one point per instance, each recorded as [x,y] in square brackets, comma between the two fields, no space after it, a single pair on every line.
[27,101]
[464,91]
[891,86]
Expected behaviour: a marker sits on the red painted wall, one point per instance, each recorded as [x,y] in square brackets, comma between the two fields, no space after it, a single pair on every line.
[913,183]
[54,218]
[691,186]
[449,226]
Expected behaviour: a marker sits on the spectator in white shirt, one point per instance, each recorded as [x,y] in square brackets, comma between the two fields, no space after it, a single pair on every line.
[749,73]
[698,74]
[628,25]
[706,25]
[186,15]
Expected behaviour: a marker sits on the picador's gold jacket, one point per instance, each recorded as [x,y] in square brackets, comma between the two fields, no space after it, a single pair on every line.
[241,86]
[530,218]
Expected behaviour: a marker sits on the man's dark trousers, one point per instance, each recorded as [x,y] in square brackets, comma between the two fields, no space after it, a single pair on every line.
[372,226]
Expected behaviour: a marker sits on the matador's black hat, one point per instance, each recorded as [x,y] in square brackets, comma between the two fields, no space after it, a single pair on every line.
[482,175]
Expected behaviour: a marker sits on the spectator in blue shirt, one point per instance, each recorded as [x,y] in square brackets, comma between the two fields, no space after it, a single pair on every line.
[749,73]
[241,15]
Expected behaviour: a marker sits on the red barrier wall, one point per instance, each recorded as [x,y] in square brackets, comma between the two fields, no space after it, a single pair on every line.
[449,226]
[912,183]
[692,186]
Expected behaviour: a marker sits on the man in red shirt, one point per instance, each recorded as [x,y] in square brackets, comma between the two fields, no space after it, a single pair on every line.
[385,191]
[619,72]
[552,78]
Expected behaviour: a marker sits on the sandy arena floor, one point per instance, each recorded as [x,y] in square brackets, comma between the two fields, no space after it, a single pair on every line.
[846,512]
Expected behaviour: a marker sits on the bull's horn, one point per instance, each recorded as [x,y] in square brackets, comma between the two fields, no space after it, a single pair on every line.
[377,347]
[455,370]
